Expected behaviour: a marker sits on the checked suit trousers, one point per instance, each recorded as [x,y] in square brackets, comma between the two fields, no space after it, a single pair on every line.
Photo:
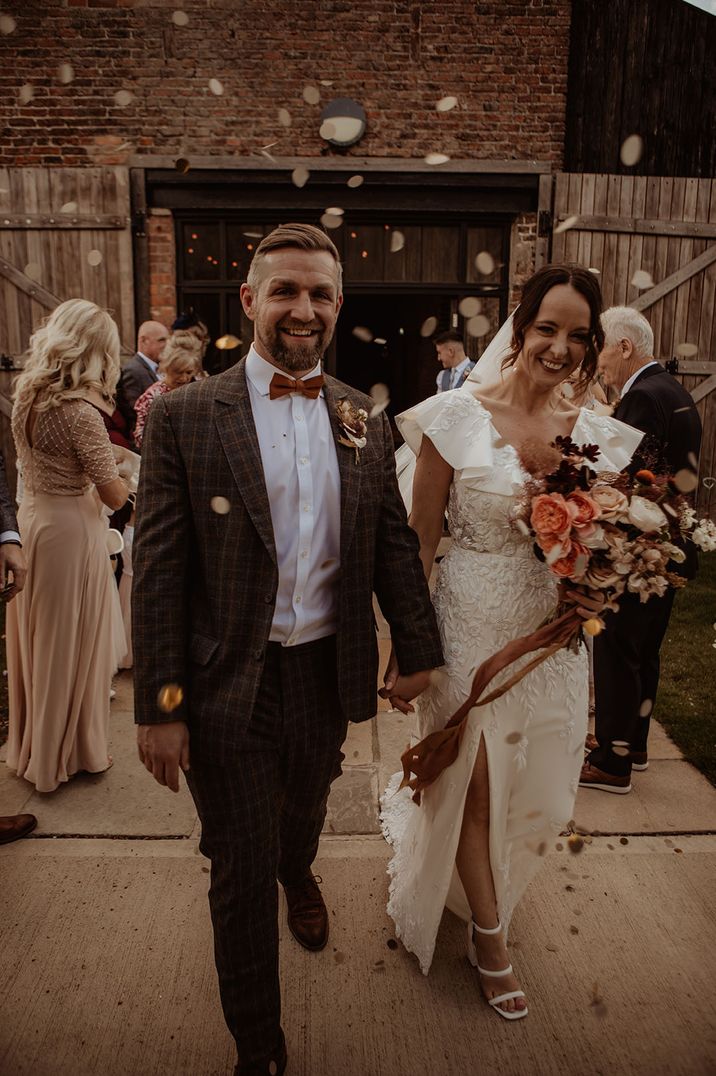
[261,821]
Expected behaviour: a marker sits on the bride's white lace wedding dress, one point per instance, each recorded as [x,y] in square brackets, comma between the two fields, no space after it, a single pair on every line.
[490,589]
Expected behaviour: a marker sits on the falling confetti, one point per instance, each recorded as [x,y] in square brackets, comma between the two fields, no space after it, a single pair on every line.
[180,18]
[182,165]
[94,257]
[169,698]
[597,272]
[355,181]
[593,626]
[299,176]
[380,340]
[122,98]
[397,241]
[469,306]
[477,326]
[575,843]
[436,158]
[227,343]
[631,151]
[7,24]
[68,207]
[566,224]
[26,93]
[33,270]
[326,81]
[362,333]
[220,505]
[284,117]
[65,74]
[380,395]
[331,220]
[445,104]
[513,737]
[429,326]
[687,351]
[624,840]
[686,480]
[327,130]
[485,263]
[642,280]
[335,210]
[311,95]
[215,86]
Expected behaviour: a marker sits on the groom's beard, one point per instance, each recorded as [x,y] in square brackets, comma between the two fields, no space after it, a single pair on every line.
[296,356]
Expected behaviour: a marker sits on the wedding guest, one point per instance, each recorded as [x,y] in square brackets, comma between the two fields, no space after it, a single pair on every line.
[64,630]
[626,653]
[189,328]
[451,355]
[588,394]
[482,827]
[178,367]
[141,371]
[268,513]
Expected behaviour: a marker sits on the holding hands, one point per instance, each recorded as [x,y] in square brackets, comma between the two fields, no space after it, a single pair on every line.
[398,689]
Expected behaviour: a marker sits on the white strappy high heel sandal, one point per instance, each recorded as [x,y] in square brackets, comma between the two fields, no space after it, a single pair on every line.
[472,957]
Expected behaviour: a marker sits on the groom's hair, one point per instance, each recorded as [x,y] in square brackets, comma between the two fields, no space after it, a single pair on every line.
[549,276]
[298,237]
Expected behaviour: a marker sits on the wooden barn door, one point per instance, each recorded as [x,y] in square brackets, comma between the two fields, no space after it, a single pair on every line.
[64,234]
[653,241]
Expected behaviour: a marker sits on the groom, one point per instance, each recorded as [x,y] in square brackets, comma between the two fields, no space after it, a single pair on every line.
[268,514]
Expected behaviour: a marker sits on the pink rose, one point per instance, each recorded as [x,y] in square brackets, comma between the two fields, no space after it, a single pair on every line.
[550,515]
[612,502]
[582,508]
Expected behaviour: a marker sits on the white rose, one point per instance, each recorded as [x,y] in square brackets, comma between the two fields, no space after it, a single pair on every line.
[646,515]
[612,501]
[705,536]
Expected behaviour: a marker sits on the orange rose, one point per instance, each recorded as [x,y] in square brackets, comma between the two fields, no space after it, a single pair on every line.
[574,564]
[583,509]
[550,515]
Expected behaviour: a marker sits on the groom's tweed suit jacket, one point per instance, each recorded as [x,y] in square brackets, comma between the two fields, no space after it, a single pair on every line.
[205,583]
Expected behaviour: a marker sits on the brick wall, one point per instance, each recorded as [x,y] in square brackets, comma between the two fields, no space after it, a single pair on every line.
[505,61]
[162,266]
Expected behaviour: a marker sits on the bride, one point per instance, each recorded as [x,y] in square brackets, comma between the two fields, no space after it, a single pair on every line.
[477,838]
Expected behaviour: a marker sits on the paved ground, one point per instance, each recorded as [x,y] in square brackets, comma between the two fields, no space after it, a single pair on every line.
[107,966]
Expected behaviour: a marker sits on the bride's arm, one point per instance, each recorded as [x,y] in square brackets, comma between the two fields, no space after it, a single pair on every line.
[431,487]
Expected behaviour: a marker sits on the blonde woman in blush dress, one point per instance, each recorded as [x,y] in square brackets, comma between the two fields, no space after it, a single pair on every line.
[64,631]
[479,834]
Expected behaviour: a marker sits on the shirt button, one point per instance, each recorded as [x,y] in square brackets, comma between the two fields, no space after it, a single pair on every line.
[304,554]
[297,599]
[307,508]
[303,460]
[299,418]
[268,599]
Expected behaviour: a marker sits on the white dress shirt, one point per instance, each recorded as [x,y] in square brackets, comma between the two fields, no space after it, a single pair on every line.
[456,375]
[630,381]
[298,453]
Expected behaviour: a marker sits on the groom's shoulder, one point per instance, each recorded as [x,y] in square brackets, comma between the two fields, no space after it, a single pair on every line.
[360,399]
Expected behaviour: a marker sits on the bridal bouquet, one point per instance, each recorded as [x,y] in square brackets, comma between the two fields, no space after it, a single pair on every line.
[601,533]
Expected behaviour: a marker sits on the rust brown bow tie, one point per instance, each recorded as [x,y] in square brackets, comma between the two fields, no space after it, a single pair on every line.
[284,386]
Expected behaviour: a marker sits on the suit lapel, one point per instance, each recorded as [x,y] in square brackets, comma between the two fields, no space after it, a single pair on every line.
[350,468]
[237,432]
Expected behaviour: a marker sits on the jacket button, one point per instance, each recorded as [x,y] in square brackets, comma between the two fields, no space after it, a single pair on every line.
[258,654]
[268,599]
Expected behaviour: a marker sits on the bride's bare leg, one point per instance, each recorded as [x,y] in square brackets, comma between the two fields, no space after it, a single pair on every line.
[475,870]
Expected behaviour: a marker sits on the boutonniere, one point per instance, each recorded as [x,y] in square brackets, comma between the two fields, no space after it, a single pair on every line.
[354,423]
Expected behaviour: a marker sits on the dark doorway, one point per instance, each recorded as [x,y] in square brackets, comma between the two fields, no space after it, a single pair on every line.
[397,355]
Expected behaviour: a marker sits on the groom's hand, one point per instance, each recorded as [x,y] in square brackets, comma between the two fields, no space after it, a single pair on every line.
[399,690]
[163,749]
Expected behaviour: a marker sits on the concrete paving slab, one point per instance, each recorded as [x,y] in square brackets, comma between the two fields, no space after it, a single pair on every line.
[353,802]
[358,746]
[107,947]
[670,797]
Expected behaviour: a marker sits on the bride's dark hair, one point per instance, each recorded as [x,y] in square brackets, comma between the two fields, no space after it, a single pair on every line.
[534,291]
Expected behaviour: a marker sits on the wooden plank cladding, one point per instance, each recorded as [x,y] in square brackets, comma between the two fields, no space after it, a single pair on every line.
[668,271]
[643,67]
[64,233]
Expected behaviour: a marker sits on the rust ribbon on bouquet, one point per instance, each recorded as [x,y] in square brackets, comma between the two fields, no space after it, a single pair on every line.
[436,752]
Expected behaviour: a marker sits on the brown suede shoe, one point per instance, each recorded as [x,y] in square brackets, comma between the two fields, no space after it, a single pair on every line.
[15,826]
[591,777]
[307,915]
[274,1064]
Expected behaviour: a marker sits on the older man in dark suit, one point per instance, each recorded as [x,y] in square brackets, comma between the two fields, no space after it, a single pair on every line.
[142,370]
[268,514]
[12,579]
[626,654]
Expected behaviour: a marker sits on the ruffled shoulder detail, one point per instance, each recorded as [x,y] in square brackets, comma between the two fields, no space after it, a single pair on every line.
[617,441]
[459,427]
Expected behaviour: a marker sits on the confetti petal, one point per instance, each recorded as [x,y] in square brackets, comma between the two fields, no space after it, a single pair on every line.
[284,117]
[33,270]
[220,505]
[378,408]
[566,224]
[180,18]
[379,392]
[331,220]
[361,332]
[170,697]
[335,211]
[429,326]
[299,176]
[65,74]
[631,150]
[380,340]
[7,24]
[620,748]
[445,104]
[355,181]
[436,158]
[513,737]
[94,257]
[477,326]
[182,165]
[311,95]
[646,707]
[26,93]
[485,263]
[227,343]
[122,98]
[470,306]
[686,480]
[216,87]
[69,207]
[642,280]
[327,130]
[397,241]
[687,351]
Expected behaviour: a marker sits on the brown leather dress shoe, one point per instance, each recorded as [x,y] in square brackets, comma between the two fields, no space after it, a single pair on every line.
[592,777]
[274,1064]
[15,826]
[307,915]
